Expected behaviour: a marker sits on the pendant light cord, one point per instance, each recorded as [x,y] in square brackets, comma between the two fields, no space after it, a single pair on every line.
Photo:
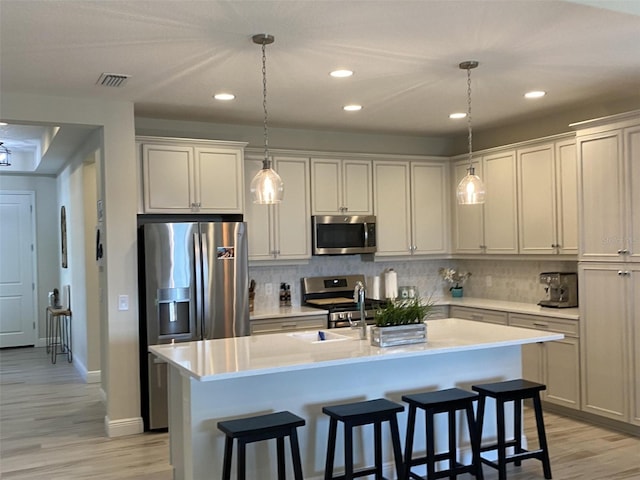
[266,162]
[470,134]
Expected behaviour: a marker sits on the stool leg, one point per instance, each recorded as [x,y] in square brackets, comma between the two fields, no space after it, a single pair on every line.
[475,443]
[542,437]
[431,449]
[280,451]
[395,442]
[54,344]
[331,449]
[502,449]
[377,435]
[242,459]
[348,451]
[517,429]
[295,454]
[408,444]
[228,453]
[452,443]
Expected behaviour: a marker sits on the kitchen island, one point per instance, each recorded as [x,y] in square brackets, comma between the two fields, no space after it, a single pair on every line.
[221,379]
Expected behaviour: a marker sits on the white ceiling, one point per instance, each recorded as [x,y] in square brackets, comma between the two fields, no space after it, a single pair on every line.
[405,54]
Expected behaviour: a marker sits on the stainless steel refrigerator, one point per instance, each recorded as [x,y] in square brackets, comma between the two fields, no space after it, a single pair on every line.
[195,287]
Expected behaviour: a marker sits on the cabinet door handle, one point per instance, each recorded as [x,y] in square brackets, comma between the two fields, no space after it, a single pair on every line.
[623,273]
[541,324]
[623,251]
[289,325]
[475,316]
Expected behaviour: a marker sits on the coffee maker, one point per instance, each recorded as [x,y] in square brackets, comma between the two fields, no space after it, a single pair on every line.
[561,289]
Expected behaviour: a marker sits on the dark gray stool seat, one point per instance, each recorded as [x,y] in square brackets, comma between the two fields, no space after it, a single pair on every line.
[513,391]
[447,401]
[262,427]
[370,412]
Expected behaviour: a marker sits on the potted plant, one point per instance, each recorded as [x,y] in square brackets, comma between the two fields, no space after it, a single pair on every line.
[454,278]
[400,323]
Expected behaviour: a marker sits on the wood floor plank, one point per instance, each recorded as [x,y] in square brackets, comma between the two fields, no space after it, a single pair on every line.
[52,427]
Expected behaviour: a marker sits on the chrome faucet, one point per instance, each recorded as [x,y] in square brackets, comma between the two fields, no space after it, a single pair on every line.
[358,297]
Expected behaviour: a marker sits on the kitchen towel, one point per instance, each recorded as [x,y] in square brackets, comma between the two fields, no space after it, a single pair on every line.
[390,284]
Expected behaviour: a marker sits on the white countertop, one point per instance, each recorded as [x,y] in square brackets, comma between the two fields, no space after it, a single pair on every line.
[210,360]
[286,312]
[515,307]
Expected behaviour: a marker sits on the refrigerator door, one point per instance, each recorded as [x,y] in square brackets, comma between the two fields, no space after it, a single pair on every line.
[225,268]
[170,286]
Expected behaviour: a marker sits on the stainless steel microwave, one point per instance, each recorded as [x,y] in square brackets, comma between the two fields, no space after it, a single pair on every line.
[343,234]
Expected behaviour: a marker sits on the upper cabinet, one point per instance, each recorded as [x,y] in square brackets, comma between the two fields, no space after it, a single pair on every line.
[530,205]
[341,187]
[192,176]
[411,207]
[282,231]
[609,188]
[500,207]
[492,227]
[548,198]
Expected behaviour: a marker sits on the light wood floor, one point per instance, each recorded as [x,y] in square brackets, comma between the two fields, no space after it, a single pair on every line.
[52,427]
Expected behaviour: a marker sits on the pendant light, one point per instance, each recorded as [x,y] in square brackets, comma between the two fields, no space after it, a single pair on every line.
[470,189]
[5,154]
[267,186]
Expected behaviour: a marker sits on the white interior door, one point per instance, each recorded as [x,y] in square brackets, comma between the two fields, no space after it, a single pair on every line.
[17,313]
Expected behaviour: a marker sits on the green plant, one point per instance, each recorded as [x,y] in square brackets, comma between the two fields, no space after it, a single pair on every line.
[404,312]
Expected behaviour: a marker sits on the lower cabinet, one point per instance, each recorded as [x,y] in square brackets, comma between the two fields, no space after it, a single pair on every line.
[290,324]
[555,364]
[479,314]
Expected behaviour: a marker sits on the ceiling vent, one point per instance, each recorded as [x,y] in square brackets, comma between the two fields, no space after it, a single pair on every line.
[112,80]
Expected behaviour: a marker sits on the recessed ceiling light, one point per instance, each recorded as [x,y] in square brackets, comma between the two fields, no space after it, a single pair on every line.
[341,73]
[352,108]
[457,115]
[224,96]
[535,94]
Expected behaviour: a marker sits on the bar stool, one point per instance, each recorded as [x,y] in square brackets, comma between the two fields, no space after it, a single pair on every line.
[58,331]
[447,401]
[262,427]
[513,391]
[370,412]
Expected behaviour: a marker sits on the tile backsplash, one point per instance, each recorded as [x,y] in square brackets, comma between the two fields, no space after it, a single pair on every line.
[514,280]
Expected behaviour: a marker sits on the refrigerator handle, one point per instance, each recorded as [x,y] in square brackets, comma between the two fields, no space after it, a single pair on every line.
[205,288]
[197,253]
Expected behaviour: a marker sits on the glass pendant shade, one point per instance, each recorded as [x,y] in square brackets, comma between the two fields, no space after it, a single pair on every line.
[470,189]
[267,187]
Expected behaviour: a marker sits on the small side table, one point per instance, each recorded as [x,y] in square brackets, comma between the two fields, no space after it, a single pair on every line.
[58,331]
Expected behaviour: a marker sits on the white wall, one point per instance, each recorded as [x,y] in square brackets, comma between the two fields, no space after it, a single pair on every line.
[47,243]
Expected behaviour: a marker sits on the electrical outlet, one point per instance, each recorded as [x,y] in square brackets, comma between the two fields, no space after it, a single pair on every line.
[123,302]
[488,280]
[268,289]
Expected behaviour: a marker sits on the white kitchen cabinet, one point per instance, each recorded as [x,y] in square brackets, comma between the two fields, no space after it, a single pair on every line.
[341,186]
[500,207]
[468,224]
[192,176]
[547,198]
[479,314]
[411,207]
[609,294]
[490,228]
[555,364]
[291,324]
[609,188]
[281,231]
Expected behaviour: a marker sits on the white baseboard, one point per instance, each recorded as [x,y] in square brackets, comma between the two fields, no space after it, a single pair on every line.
[123,427]
[93,376]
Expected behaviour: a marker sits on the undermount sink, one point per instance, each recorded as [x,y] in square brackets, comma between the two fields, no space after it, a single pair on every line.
[314,336]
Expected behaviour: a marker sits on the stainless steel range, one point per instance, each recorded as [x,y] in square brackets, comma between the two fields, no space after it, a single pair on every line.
[335,294]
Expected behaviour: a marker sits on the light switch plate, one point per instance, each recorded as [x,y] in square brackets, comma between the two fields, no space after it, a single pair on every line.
[123,302]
